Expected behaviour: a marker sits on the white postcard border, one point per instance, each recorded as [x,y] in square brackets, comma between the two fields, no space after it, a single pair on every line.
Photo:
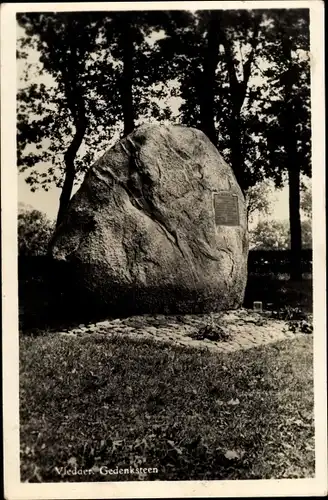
[157,489]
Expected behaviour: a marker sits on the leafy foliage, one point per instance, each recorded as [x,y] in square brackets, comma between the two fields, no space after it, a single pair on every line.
[34,232]
[48,111]
[297,320]
[275,234]
[92,79]
[175,55]
[259,200]
[287,114]
[270,234]
[242,76]
[212,332]
[306,201]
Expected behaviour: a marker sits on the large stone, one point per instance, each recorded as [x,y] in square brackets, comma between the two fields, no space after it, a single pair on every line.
[153,228]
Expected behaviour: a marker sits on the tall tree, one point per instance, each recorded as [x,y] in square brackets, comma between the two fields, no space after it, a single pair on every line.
[249,23]
[119,45]
[76,104]
[206,88]
[289,131]
[225,68]
[127,77]
[64,42]
[127,42]
[211,54]
[94,79]
[289,80]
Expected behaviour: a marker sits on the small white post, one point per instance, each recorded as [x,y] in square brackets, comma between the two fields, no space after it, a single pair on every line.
[257,306]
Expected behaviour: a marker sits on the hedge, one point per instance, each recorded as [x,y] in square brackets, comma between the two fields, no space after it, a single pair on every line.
[260,262]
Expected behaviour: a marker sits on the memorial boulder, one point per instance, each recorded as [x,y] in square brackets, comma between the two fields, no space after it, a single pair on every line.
[158,225]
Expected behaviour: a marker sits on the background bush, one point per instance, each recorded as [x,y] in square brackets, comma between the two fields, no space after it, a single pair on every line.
[34,232]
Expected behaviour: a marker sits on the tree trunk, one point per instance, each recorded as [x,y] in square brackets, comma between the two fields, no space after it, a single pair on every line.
[237,160]
[238,91]
[295,222]
[294,183]
[70,156]
[293,167]
[207,89]
[76,104]
[127,79]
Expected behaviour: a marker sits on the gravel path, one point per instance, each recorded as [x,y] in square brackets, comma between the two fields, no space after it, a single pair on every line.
[244,328]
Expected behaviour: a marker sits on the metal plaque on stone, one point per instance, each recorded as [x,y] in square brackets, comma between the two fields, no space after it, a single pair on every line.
[226,209]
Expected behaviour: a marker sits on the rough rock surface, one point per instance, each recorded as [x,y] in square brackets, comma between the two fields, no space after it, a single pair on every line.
[140,234]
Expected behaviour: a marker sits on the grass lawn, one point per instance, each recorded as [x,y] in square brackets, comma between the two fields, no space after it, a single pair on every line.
[95,401]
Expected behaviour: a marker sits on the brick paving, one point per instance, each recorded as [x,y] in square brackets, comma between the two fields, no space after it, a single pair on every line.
[245,329]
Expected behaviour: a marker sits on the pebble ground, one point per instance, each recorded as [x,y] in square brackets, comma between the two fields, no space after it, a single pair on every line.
[244,328]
